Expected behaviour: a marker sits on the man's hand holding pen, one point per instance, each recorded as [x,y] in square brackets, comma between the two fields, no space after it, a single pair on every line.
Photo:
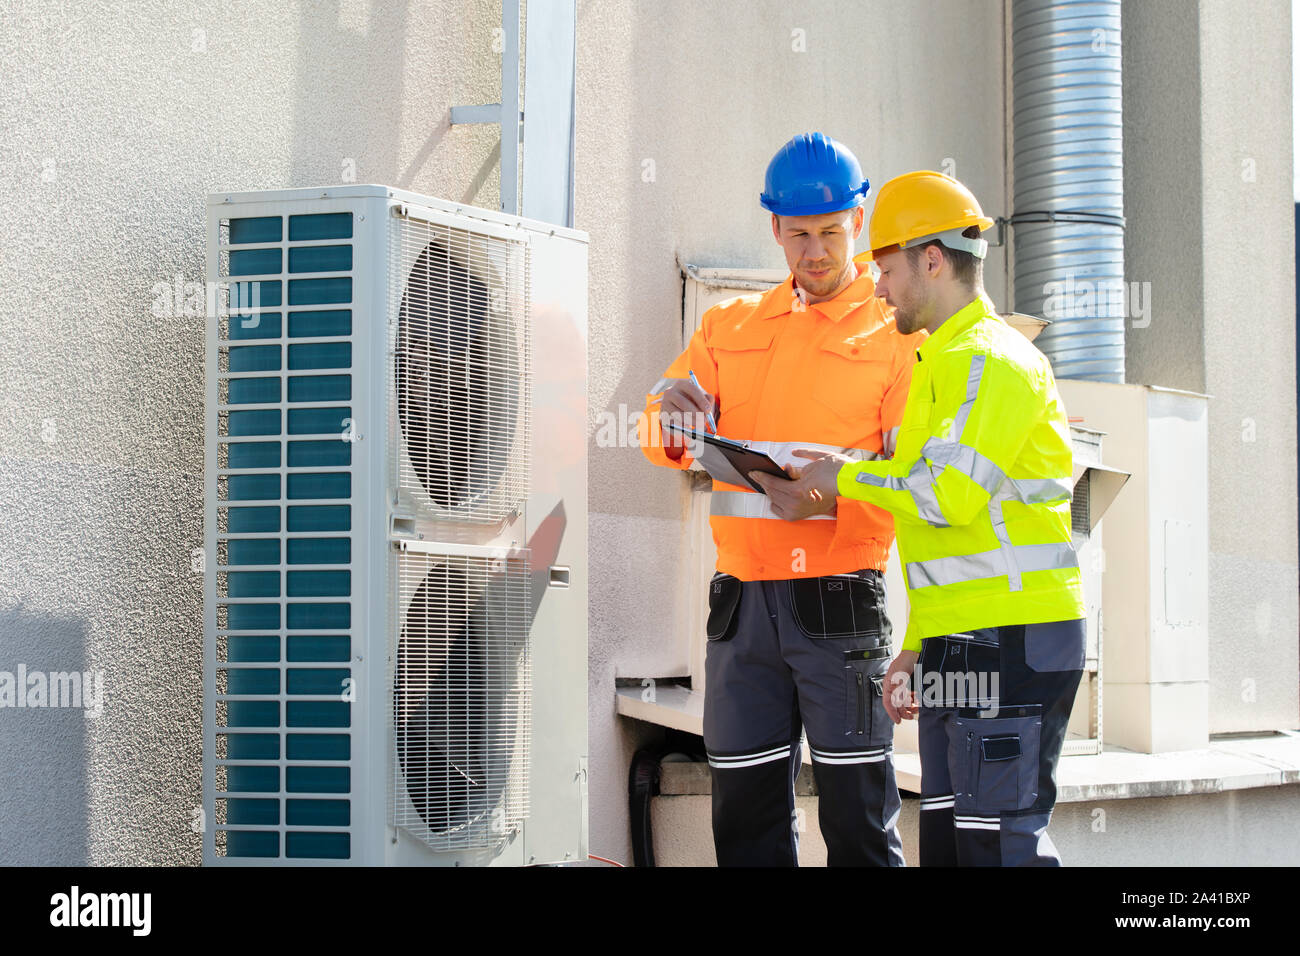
[686,405]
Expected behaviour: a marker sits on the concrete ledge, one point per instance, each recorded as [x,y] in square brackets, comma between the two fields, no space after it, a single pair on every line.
[668,705]
[1236,763]
[1252,827]
[1231,762]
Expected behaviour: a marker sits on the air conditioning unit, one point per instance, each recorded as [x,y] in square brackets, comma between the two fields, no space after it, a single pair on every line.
[395,586]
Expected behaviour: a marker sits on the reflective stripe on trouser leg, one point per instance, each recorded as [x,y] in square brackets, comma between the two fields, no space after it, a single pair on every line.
[858,810]
[753,810]
[849,736]
[937,840]
[751,733]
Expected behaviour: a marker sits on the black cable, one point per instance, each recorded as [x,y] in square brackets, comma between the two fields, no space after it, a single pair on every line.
[643,787]
[1063,215]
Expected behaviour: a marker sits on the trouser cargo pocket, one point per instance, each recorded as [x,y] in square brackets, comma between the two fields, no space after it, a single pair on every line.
[839,605]
[724,599]
[960,670]
[1058,646]
[996,764]
[865,719]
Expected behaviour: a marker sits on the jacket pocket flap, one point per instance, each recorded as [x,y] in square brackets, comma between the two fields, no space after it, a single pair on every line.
[744,336]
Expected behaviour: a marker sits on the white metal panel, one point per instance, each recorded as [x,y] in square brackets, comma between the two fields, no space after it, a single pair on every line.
[464,211]
[548,127]
[556,535]
[558,832]
[1179,497]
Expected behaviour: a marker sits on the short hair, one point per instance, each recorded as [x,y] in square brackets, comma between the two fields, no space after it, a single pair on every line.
[968,269]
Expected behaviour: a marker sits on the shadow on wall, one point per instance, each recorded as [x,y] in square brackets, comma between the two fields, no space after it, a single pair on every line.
[339,72]
[43,798]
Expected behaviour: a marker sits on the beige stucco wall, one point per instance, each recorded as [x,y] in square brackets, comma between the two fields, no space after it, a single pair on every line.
[1248,205]
[117,123]
[1208,198]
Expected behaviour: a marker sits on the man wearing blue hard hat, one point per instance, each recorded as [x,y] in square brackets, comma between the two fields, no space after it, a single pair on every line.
[799,639]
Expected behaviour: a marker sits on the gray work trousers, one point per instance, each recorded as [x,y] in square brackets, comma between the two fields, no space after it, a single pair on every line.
[785,656]
[994,708]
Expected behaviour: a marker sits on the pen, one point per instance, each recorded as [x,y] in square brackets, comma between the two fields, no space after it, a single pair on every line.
[709,415]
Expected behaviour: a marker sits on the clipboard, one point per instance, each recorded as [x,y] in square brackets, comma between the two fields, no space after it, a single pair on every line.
[730,461]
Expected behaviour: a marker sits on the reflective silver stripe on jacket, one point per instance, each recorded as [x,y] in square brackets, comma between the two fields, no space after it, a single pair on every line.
[1010,560]
[890,441]
[967,460]
[972,389]
[919,482]
[1039,491]
[1030,491]
[991,564]
[749,504]
[662,385]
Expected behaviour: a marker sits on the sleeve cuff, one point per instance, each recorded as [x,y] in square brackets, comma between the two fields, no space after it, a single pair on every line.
[911,640]
[651,440]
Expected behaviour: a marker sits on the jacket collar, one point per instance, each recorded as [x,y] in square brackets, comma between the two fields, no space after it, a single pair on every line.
[980,308]
[858,293]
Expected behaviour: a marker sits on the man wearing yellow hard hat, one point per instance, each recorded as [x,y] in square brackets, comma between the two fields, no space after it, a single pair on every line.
[979,487]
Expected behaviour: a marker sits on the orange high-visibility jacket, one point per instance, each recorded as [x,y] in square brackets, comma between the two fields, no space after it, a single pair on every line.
[828,375]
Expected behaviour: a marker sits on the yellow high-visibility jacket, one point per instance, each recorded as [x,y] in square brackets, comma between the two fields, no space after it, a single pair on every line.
[980,483]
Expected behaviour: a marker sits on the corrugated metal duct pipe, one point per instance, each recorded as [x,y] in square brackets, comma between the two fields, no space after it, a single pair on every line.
[1068,220]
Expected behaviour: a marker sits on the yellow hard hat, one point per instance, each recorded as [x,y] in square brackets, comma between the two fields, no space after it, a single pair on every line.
[921,206]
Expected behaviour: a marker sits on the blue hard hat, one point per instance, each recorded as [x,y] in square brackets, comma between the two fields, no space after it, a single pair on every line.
[813,174]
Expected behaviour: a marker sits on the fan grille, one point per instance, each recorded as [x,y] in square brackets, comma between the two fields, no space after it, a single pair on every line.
[462,716]
[460,370]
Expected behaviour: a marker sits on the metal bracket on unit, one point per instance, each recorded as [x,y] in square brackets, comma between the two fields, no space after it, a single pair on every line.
[469,115]
[508,520]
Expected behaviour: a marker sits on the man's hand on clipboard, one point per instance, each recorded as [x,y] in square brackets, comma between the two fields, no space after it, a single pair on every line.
[686,405]
[811,490]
